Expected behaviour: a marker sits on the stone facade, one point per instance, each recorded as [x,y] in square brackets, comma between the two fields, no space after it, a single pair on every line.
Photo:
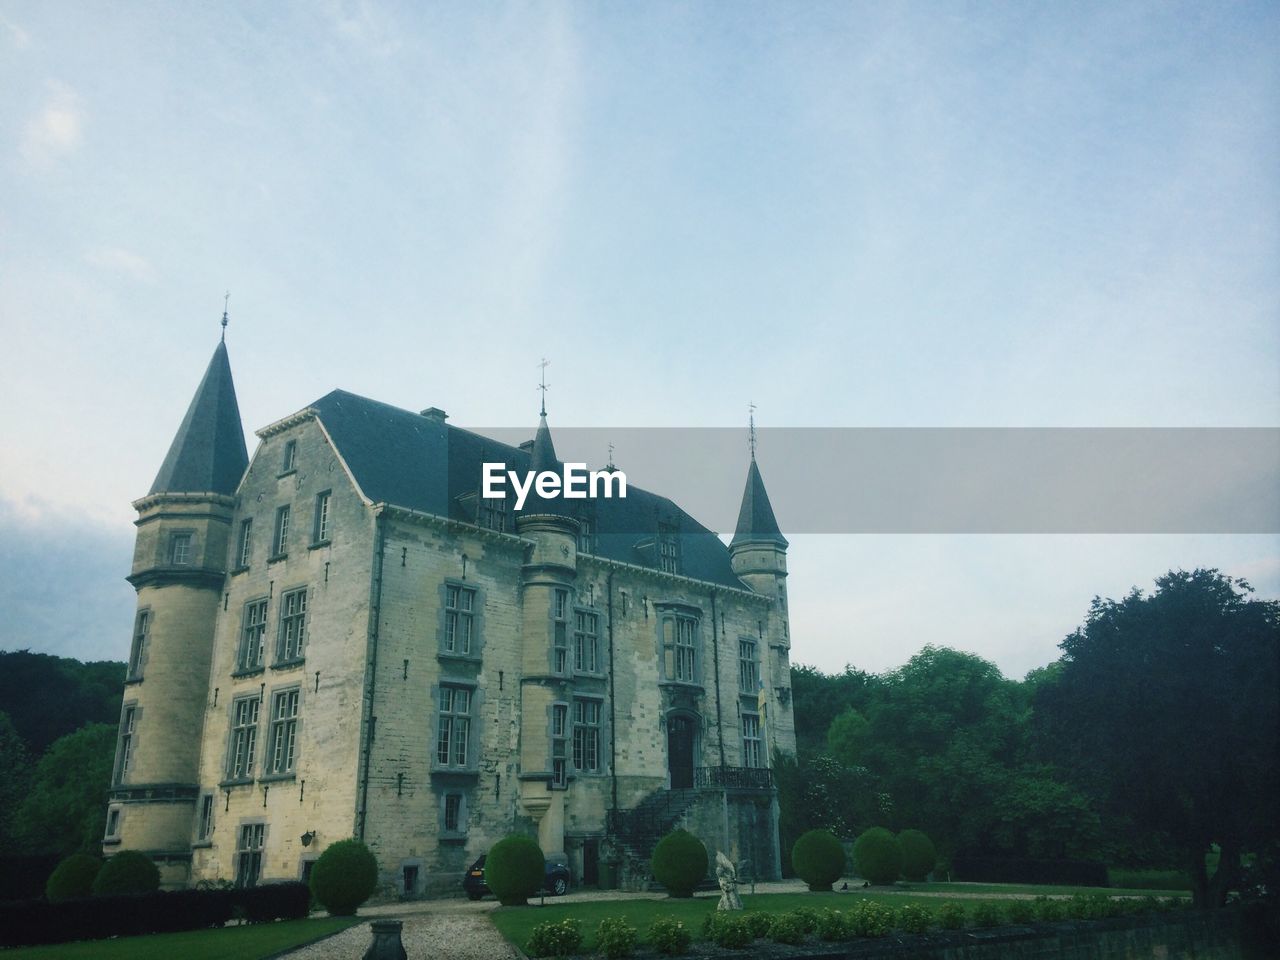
[324,651]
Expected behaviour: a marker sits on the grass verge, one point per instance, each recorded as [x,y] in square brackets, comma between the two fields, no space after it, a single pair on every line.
[250,942]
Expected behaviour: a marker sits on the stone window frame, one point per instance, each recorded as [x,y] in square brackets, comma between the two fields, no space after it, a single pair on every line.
[206,817]
[677,658]
[462,812]
[470,762]
[299,618]
[292,723]
[597,727]
[666,548]
[491,512]
[115,822]
[236,773]
[475,615]
[587,531]
[244,544]
[181,549]
[257,828]
[750,665]
[280,532]
[752,756]
[253,618]
[138,648]
[414,863]
[561,606]
[126,740]
[322,520]
[559,725]
[599,669]
[289,457]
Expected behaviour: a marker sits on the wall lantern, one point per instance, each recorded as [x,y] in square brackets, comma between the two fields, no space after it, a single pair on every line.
[307,837]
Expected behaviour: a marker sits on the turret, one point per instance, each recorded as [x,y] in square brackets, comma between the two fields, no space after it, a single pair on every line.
[758,550]
[179,566]
[547,598]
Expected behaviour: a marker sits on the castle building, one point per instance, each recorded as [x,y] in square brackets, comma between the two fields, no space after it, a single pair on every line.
[341,637]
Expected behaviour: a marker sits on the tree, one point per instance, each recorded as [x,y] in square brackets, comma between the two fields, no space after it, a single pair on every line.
[65,810]
[847,737]
[818,698]
[48,697]
[15,773]
[1168,707]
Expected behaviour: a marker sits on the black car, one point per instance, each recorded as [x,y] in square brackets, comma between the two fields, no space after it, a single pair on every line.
[555,883]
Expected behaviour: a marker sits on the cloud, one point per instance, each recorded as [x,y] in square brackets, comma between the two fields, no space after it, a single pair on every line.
[367,27]
[20,37]
[57,130]
[118,260]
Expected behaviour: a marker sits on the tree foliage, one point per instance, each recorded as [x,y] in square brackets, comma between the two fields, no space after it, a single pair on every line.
[14,783]
[48,697]
[1168,707]
[65,809]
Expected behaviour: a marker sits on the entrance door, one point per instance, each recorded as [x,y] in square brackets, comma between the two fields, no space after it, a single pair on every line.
[680,752]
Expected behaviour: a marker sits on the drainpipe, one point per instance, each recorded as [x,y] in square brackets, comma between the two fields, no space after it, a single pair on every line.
[715,647]
[371,669]
[613,708]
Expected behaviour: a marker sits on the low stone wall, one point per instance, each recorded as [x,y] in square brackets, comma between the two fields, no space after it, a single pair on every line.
[1212,935]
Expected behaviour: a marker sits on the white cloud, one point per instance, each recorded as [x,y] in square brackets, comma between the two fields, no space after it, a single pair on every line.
[57,130]
[118,260]
[20,37]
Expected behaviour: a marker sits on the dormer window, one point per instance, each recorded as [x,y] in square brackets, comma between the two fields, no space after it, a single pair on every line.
[668,549]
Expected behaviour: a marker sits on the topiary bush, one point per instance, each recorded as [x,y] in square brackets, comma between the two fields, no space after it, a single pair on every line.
[73,877]
[127,872]
[344,877]
[669,936]
[616,938]
[918,854]
[818,859]
[515,869]
[679,862]
[561,938]
[878,856]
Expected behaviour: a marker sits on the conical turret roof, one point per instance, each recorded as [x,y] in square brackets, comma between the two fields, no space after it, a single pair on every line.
[542,457]
[208,454]
[756,522]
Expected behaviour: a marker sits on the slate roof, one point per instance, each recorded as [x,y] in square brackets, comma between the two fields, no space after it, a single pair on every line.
[756,523]
[208,454]
[422,463]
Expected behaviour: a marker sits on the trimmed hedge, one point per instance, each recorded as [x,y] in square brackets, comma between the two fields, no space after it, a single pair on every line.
[1076,873]
[818,859]
[878,856]
[33,922]
[73,877]
[129,871]
[918,854]
[344,877]
[679,863]
[515,869]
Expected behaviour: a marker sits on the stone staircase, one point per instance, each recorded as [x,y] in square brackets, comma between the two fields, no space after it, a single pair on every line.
[637,831]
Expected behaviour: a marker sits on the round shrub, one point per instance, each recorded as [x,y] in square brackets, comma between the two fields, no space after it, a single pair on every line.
[786,928]
[818,859]
[915,918]
[757,923]
[986,914]
[127,872]
[918,854]
[344,877]
[878,856]
[515,869]
[1020,911]
[728,929]
[679,862]
[951,915]
[73,877]
[869,918]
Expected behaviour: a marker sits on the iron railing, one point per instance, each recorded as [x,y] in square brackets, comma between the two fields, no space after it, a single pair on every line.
[736,778]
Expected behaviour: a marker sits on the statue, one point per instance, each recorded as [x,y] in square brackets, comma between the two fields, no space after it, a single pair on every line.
[727,877]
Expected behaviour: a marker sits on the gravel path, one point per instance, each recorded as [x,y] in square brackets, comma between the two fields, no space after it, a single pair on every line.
[456,934]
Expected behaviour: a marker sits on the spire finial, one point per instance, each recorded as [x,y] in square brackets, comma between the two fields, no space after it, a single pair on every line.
[225,301]
[751,431]
[543,385]
[610,467]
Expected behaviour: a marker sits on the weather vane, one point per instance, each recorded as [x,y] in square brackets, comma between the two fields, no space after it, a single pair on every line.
[610,466]
[751,432]
[543,385]
[225,301]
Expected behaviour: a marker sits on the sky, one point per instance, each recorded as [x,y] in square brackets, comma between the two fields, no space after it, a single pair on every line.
[851,214]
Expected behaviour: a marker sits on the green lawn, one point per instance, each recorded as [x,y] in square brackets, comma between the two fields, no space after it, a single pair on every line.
[251,942]
[1037,890]
[516,923]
